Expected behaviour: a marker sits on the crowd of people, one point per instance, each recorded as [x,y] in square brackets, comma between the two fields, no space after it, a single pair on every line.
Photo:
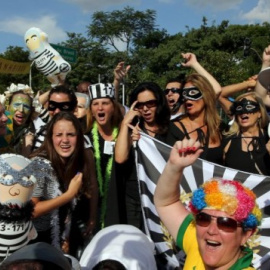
[86,202]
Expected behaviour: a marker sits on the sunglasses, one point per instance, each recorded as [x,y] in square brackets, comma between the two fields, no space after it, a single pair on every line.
[225,224]
[149,104]
[173,90]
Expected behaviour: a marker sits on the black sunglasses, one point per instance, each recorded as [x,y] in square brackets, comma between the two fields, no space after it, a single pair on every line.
[149,104]
[173,90]
[225,224]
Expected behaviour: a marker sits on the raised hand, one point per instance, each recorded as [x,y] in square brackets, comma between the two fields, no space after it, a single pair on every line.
[184,153]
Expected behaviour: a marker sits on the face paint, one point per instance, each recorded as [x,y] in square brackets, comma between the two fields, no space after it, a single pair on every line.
[245,106]
[21,103]
[191,93]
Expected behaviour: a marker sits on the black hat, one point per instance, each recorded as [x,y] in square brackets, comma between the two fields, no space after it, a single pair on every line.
[40,251]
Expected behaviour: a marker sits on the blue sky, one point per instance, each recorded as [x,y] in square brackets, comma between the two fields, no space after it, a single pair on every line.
[56,17]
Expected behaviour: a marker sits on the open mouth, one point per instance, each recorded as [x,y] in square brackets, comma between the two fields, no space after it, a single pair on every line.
[188,105]
[101,116]
[19,118]
[147,116]
[171,101]
[212,243]
[65,147]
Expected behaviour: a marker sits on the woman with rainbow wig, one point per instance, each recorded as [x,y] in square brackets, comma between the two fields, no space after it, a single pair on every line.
[221,216]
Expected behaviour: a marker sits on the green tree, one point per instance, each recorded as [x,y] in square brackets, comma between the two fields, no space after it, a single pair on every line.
[17,54]
[126,26]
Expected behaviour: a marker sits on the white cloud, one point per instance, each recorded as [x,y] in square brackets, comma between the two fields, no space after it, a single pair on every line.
[92,6]
[259,13]
[218,5]
[48,24]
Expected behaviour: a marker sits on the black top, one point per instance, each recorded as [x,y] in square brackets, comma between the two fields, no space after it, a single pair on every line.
[238,159]
[171,136]
[213,154]
[124,183]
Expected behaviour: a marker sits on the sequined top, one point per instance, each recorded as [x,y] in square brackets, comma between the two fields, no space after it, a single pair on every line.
[47,188]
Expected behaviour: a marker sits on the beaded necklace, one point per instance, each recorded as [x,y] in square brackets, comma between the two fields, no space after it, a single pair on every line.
[103,185]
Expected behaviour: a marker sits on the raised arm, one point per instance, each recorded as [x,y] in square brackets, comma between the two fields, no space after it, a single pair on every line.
[120,72]
[191,61]
[259,89]
[232,89]
[124,140]
[167,194]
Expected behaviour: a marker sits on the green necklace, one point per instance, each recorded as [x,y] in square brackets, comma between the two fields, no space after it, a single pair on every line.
[103,185]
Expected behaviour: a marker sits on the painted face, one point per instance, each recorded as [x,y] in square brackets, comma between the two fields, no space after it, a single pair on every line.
[247,112]
[194,105]
[219,248]
[33,42]
[15,194]
[58,102]
[81,109]
[3,120]
[20,108]
[102,110]
[147,112]
[172,93]
[64,138]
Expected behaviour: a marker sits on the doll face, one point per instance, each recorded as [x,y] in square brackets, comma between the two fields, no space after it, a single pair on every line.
[33,41]
[15,194]
[20,108]
[81,109]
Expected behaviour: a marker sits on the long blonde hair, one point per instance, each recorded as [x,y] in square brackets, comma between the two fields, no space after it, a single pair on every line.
[211,116]
[263,121]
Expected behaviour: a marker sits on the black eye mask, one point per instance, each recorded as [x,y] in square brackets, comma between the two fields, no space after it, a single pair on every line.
[62,106]
[191,93]
[244,106]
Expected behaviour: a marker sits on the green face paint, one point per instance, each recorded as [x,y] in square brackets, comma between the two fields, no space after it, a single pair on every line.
[20,106]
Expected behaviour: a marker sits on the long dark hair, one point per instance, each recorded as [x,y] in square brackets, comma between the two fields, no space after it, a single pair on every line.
[162,117]
[75,163]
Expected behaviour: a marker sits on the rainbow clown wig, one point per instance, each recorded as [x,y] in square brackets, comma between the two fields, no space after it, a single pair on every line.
[231,197]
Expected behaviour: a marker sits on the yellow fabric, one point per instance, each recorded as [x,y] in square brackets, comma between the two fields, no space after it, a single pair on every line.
[6,139]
